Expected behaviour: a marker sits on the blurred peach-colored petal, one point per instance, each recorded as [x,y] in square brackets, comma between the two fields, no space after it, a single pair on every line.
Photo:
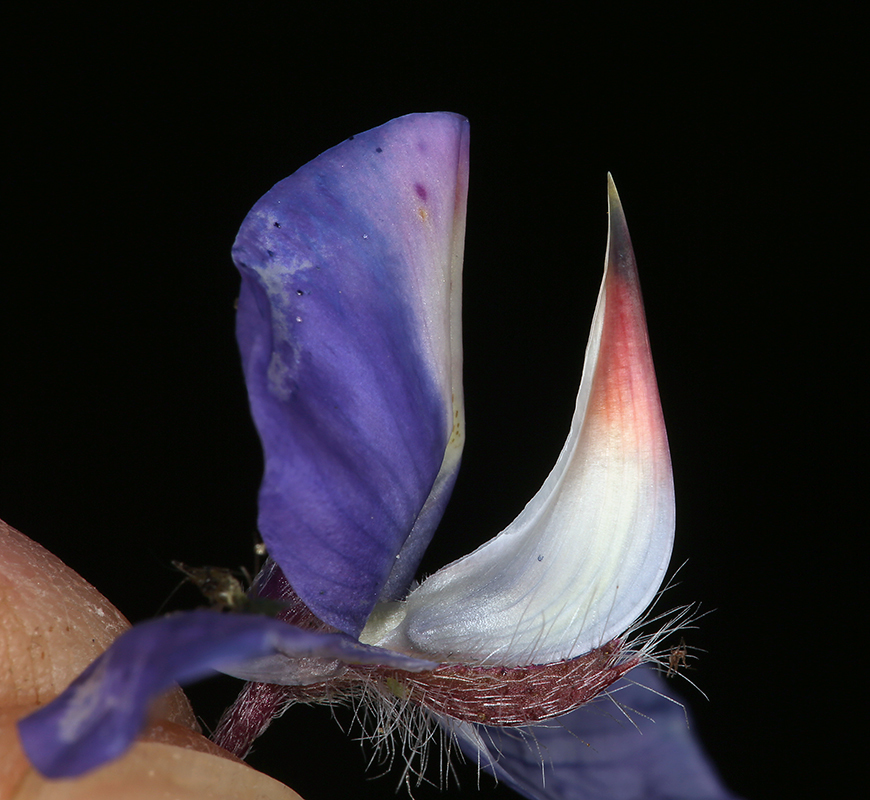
[52,625]
[187,769]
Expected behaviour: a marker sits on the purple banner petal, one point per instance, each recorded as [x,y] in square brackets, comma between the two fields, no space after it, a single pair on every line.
[100,714]
[597,753]
[348,324]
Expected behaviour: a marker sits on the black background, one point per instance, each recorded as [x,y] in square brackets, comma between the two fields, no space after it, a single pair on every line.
[141,139]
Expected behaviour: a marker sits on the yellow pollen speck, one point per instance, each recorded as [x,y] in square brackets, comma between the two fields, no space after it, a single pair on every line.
[424,214]
[397,688]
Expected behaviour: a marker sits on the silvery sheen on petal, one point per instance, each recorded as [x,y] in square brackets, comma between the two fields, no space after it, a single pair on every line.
[587,555]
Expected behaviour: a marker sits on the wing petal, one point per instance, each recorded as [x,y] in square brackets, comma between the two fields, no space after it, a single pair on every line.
[100,714]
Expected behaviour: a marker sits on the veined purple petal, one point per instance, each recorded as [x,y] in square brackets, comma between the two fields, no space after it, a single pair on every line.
[100,714]
[597,753]
[349,327]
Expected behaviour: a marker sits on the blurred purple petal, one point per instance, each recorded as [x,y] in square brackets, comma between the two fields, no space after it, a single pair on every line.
[348,325]
[100,714]
[596,753]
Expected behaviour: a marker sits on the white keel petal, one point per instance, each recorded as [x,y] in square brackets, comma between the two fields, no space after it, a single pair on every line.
[587,555]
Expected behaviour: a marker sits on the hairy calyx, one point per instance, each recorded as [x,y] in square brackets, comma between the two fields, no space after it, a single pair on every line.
[490,695]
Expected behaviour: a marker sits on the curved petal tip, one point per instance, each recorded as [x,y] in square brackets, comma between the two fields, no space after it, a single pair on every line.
[586,556]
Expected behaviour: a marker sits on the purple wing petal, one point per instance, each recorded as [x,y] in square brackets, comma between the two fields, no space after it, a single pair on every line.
[348,325]
[100,714]
[596,753]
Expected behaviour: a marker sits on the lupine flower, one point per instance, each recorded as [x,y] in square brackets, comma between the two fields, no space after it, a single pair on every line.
[349,330]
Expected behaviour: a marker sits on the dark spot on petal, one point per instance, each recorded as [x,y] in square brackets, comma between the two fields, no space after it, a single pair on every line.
[379,150]
[300,293]
[270,253]
[421,191]
[277,224]
[540,558]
